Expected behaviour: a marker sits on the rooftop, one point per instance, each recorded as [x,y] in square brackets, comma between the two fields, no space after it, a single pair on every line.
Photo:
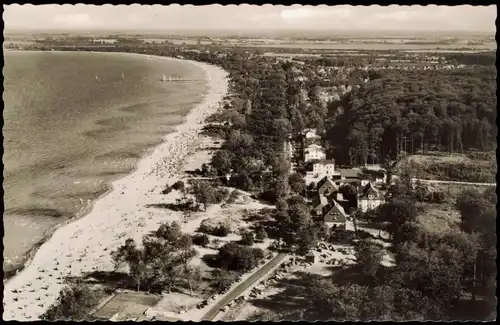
[325,162]
[349,172]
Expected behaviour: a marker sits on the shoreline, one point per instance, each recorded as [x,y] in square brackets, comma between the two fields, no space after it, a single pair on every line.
[29,255]
[157,167]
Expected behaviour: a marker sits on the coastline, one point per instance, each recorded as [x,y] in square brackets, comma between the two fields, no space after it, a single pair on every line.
[42,276]
[12,268]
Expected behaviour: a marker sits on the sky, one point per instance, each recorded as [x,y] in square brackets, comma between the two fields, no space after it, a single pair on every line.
[83,17]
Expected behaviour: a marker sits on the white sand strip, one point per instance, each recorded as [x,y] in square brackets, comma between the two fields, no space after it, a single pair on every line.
[85,244]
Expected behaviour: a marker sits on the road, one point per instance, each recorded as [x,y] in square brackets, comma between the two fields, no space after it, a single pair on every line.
[434,181]
[239,289]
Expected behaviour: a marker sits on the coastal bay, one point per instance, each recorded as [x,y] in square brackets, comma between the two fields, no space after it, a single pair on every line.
[103,128]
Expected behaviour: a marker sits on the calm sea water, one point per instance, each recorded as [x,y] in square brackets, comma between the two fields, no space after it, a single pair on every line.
[73,123]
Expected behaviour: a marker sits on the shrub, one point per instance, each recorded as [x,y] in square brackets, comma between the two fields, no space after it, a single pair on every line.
[220,230]
[341,235]
[178,186]
[364,234]
[221,194]
[248,238]
[166,190]
[437,197]
[258,253]
[201,240]
[233,197]
[233,256]
[269,196]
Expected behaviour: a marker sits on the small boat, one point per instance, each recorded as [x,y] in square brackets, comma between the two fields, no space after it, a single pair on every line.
[123,76]
[97,78]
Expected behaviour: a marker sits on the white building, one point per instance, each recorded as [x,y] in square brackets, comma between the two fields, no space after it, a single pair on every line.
[370,198]
[288,149]
[314,152]
[324,168]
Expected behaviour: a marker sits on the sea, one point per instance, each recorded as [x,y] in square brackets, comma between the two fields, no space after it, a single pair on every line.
[73,123]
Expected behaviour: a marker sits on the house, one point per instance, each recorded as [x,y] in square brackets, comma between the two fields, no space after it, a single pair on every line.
[334,215]
[324,167]
[370,198]
[319,203]
[349,174]
[326,187]
[314,152]
[375,175]
[309,141]
[311,134]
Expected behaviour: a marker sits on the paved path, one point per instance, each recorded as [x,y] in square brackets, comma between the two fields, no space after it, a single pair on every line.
[239,289]
[435,181]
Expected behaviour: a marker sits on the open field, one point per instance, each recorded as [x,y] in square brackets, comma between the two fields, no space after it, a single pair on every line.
[439,218]
[478,168]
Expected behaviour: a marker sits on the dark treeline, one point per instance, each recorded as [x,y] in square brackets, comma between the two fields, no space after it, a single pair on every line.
[482,58]
[415,111]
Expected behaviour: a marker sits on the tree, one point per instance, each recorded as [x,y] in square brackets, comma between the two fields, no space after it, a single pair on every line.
[132,256]
[306,238]
[396,213]
[350,193]
[236,257]
[185,254]
[244,181]
[248,238]
[369,256]
[74,303]
[357,215]
[478,218]
[261,234]
[194,276]
[223,279]
[331,302]
[222,162]
[435,264]
[297,183]
[204,193]
[161,263]
[473,209]
[170,232]
[421,191]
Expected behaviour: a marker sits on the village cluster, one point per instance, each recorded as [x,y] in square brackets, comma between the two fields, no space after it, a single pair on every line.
[324,181]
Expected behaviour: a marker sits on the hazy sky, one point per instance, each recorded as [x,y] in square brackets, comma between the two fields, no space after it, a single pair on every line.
[473,18]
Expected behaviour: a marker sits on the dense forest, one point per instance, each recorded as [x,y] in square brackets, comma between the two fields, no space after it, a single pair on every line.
[487,58]
[414,111]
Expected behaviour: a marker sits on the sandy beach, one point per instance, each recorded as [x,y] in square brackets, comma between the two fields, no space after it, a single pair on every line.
[84,245]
